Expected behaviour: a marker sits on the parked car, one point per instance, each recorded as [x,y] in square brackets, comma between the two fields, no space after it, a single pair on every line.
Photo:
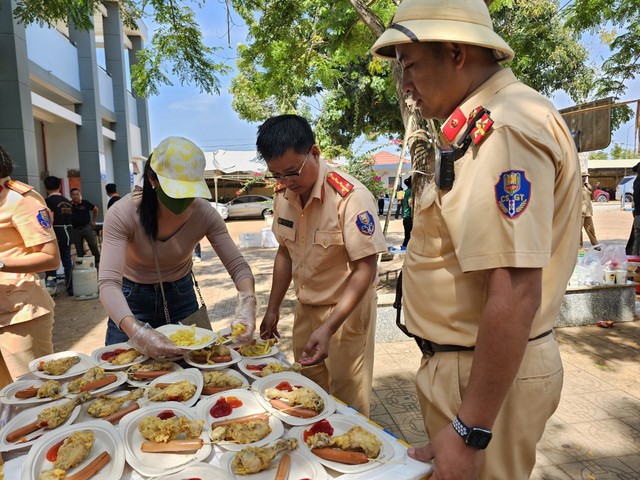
[250,206]
[625,187]
[600,196]
[222,209]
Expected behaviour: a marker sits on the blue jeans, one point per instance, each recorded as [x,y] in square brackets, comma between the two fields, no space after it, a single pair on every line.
[145,302]
[63,236]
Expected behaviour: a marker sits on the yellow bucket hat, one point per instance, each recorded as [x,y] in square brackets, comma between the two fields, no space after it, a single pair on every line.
[179,164]
[459,21]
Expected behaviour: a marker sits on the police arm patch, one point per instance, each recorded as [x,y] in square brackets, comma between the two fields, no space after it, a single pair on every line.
[365,223]
[44,218]
[513,193]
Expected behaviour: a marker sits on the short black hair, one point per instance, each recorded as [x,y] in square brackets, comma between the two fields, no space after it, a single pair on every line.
[407,182]
[110,188]
[636,167]
[52,183]
[280,134]
[74,190]
[6,163]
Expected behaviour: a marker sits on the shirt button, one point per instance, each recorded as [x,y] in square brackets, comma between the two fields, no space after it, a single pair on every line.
[301,215]
[303,287]
[324,243]
[302,239]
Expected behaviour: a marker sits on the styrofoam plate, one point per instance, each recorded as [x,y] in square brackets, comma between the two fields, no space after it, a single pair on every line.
[235,358]
[203,471]
[250,406]
[193,375]
[97,354]
[8,393]
[155,464]
[105,439]
[84,414]
[341,424]
[243,365]
[25,418]
[233,373]
[294,379]
[78,369]
[301,467]
[203,337]
[141,383]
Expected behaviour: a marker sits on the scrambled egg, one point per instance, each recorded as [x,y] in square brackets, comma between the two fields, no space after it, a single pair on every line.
[164,430]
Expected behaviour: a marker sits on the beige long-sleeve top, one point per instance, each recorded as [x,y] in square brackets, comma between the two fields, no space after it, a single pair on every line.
[126,251]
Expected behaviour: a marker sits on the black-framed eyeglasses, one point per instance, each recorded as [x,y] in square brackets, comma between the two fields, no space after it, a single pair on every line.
[293,175]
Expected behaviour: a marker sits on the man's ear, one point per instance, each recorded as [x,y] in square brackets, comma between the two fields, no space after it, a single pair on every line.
[488,2]
[457,52]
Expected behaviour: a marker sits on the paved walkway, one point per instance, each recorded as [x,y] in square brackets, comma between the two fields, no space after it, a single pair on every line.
[595,434]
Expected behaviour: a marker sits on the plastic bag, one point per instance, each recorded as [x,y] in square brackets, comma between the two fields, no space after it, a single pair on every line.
[614,258]
[592,273]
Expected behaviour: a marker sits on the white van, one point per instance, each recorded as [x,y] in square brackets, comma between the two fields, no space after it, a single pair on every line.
[625,187]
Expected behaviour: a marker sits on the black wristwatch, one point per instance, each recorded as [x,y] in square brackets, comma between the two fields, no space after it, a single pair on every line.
[475,437]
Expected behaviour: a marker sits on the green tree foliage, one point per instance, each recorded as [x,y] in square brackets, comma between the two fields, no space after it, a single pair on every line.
[599,155]
[177,45]
[619,152]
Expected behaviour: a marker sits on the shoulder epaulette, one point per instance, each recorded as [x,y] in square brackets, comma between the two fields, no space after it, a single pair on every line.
[342,186]
[278,187]
[19,187]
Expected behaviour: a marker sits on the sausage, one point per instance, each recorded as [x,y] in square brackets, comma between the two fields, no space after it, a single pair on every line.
[214,390]
[173,446]
[245,419]
[218,359]
[27,393]
[22,431]
[283,468]
[147,375]
[92,468]
[341,456]
[286,407]
[103,382]
[115,417]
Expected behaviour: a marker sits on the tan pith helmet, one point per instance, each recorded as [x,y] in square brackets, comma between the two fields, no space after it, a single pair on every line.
[460,21]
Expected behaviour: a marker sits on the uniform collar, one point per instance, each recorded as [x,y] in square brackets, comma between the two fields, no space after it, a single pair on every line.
[483,93]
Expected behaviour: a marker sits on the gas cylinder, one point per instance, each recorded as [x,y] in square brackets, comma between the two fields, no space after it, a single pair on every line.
[85,278]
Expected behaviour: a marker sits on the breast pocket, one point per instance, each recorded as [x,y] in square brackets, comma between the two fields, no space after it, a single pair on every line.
[327,250]
[426,238]
[286,235]
[13,298]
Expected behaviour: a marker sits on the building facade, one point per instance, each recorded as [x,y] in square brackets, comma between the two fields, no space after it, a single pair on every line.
[67,109]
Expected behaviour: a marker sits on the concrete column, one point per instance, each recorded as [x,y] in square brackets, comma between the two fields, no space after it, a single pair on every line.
[141,103]
[90,141]
[17,132]
[114,55]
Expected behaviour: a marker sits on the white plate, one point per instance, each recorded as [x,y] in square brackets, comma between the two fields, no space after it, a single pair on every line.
[294,379]
[141,383]
[105,439]
[341,424]
[110,348]
[235,358]
[301,467]
[199,470]
[7,394]
[242,365]
[200,334]
[78,369]
[155,464]
[84,415]
[233,373]
[274,351]
[25,418]
[250,406]
[191,374]
[121,378]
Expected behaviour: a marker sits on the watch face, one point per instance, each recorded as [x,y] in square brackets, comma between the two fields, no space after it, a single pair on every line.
[478,438]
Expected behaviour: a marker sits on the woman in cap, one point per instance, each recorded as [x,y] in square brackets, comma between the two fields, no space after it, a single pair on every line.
[152,234]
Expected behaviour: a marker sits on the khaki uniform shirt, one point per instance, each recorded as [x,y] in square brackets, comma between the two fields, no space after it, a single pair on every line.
[478,225]
[587,206]
[25,221]
[326,235]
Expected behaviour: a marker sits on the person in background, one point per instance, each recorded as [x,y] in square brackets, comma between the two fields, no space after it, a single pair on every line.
[399,198]
[491,249]
[197,254]
[407,218]
[635,231]
[60,207]
[149,237]
[27,245]
[587,212]
[84,216]
[381,198]
[329,238]
[113,195]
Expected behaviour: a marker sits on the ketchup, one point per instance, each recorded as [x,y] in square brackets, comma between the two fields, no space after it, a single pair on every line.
[52,454]
[224,406]
[284,387]
[166,414]
[323,426]
[106,356]
[234,402]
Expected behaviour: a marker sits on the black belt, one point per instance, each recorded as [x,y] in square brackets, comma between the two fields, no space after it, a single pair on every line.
[426,346]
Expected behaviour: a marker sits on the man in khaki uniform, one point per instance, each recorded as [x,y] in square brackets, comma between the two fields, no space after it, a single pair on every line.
[491,249]
[27,244]
[587,211]
[329,236]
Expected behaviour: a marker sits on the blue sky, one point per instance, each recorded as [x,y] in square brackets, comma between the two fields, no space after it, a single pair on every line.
[210,121]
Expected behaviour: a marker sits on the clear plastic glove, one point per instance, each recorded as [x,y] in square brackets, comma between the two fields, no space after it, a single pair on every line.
[147,340]
[245,316]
